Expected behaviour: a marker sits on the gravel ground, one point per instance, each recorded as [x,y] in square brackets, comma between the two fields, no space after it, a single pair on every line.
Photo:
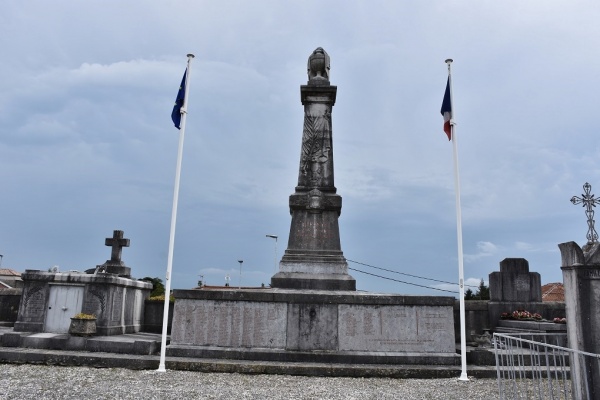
[49,382]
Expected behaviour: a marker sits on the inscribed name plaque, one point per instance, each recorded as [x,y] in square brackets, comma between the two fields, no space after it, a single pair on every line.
[230,324]
[396,328]
[591,274]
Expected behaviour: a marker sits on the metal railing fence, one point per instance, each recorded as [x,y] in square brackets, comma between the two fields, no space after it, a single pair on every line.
[539,366]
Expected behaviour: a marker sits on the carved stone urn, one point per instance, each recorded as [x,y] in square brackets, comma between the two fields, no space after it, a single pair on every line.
[318,66]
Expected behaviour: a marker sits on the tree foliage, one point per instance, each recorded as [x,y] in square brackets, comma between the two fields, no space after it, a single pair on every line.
[158,288]
[469,294]
[482,293]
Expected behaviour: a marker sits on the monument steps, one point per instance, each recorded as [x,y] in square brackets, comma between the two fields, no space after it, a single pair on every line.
[120,351]
[313,356]
[151,362]
[135,343]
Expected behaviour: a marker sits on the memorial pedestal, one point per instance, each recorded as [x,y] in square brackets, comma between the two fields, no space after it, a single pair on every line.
[316,326]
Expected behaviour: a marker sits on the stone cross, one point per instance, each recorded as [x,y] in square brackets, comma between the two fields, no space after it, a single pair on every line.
[589,202]
[117,242]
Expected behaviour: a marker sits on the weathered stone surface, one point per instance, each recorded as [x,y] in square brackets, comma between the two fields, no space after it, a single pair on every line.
[476,319]
[321,326]
[571,254]
[582,298]
[9,304]
[318,67]
[115,265]
[103,361]
[12,339]
[153,316]
[591,253]
[312,327]
[314,259]
[229,323]
[514,282]
[82,327]
[410,328]
[312,296]
[533,326]
[117,302]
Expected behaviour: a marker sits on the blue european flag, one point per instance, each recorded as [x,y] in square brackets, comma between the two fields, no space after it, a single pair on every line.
[176,113]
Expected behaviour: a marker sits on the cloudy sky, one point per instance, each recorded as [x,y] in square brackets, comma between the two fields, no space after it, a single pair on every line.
[87,145]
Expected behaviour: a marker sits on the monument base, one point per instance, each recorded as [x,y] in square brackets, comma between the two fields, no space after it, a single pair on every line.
[299,280]
[313,326]
[313,270]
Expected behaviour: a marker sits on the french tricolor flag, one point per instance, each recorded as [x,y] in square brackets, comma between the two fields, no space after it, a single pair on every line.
[447,111]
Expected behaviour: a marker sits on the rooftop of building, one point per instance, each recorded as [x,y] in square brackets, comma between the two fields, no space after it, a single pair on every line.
[553,292]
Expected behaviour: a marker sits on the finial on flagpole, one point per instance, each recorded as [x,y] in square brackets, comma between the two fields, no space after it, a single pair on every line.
[192,56]
[449,61]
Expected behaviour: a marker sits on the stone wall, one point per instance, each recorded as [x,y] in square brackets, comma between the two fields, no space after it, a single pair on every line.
[9,304]
[324,326]
[483,315]
[153,316]
[476,319]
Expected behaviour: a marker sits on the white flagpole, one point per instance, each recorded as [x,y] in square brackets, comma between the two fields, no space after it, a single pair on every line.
[461,274]
[163,345]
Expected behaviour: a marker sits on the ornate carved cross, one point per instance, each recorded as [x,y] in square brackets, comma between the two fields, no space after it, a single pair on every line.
[117,242]
[589,202]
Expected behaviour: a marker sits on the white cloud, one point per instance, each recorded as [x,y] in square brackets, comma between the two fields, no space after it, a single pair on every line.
[485,249]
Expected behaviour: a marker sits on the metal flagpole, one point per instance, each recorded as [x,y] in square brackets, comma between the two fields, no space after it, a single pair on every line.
[163,345]
[461,275]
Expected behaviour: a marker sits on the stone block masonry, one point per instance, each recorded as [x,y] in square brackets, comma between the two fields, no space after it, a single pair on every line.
[288,325]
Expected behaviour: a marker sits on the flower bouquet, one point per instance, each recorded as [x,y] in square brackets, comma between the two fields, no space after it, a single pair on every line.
[522,315]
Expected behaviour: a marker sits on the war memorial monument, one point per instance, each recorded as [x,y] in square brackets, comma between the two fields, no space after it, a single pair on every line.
[312,312]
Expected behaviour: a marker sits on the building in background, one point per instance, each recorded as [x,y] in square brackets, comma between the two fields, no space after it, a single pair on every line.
[11,278]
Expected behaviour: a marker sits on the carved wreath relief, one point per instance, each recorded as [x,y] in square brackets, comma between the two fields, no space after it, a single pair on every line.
[31,293]
[101,296]
[316,146]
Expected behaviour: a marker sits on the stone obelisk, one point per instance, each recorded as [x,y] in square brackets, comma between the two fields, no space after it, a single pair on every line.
[314,258]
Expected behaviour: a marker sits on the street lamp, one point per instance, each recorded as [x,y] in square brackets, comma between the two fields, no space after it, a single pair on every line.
[274,237]
[240,261]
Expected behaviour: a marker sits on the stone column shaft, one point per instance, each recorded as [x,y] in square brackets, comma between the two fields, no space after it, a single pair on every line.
[314,259]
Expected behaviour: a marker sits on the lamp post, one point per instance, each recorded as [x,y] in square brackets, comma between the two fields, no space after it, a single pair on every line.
[1,257]
[240,261]
[274,237]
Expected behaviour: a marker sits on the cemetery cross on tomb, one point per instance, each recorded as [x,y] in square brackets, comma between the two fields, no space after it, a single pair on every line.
[117,242]
[589,202]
